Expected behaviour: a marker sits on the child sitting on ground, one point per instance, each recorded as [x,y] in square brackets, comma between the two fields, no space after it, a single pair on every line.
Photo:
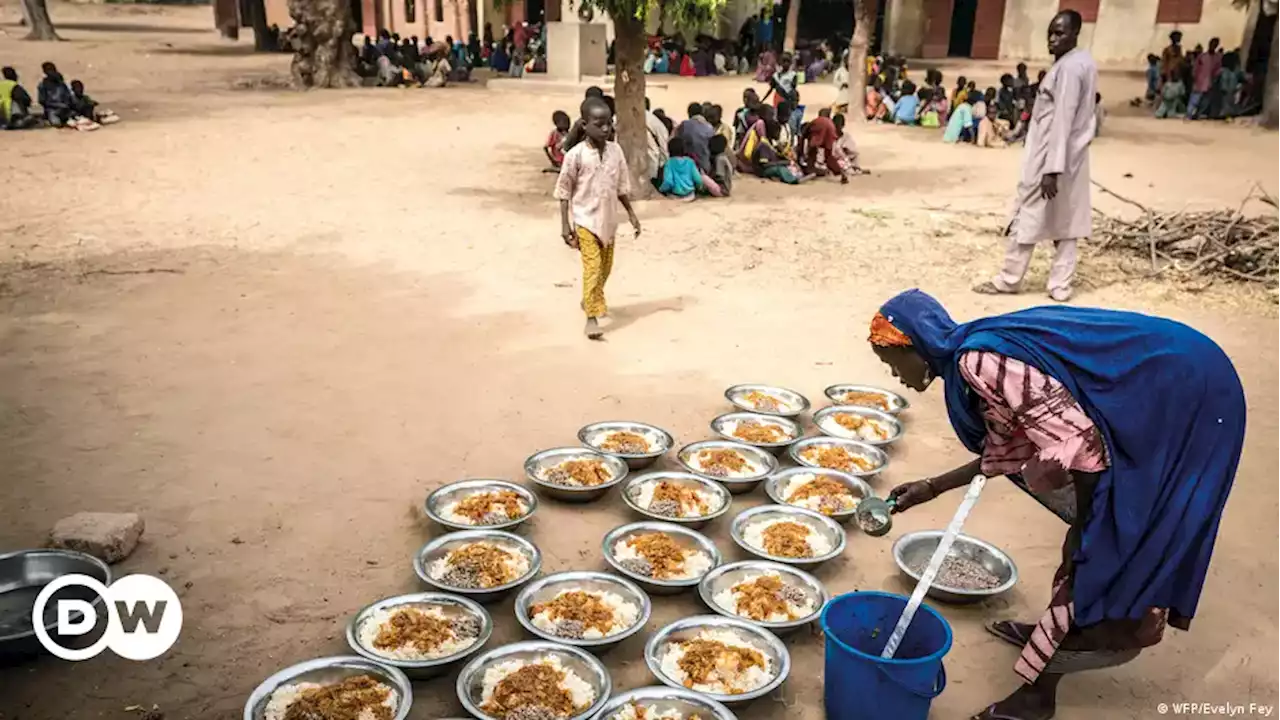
[935,108]
[846,150]
[88,107]
[721,164]
[907,107]
[560,119]
[15,103]
[680,176]
[991,129]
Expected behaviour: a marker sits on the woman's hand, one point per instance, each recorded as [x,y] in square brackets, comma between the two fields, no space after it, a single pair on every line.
[909,495]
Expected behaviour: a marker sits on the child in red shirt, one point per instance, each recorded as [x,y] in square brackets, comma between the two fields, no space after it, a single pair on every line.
[553,149]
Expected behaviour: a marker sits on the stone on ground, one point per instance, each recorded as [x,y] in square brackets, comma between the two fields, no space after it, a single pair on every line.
[110,537]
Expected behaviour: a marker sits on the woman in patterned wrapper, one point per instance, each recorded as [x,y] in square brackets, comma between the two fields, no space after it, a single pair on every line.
[1127,427]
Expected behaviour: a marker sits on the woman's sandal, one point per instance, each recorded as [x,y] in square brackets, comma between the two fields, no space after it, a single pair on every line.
[989,288]
[1015,633]
[991,714]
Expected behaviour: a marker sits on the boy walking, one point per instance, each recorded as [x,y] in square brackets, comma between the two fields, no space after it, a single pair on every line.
[593,174]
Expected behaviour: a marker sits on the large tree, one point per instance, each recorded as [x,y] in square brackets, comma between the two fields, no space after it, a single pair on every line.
[37,16]
[325,57]
[864,24]
[1270,103]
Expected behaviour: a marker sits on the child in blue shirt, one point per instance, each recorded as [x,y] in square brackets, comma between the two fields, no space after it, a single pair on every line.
[680,176]
[904,112]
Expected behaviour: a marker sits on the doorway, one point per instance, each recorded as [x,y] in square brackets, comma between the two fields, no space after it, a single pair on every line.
[534,11]
[964,13]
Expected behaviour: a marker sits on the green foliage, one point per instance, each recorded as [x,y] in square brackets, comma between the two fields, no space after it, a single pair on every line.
[681,13]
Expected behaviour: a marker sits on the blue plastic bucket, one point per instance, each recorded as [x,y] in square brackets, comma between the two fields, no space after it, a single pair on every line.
[858,684]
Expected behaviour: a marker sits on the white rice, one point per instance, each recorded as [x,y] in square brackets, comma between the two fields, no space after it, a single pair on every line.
[449,511]
[728,600]
[818,542]
[645,498]
[752,469]
[286,695]
[730,428]
[370,627]
[784,404]
[580,690]
[597,439]
[866,433]
[813,502]
[628,712]
[517,561]
[753,678]
[696,563]
[625,615]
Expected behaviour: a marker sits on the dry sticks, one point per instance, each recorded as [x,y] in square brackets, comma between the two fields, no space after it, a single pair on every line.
[1197,244]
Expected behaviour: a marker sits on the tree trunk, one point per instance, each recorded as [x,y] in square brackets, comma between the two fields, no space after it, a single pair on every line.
[1270,112]
[793,23]
[325,57]
[262,40]
[628,93]
[38,15]
[864,22]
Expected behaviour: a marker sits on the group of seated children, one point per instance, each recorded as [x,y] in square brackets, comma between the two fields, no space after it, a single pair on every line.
[62,105]
[393,62]
[775,143]
[1200,85]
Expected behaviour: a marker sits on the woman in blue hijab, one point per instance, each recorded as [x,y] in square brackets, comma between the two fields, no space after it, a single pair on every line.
[1127,427]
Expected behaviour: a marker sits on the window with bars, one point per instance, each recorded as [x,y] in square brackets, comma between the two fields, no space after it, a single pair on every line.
[1179,11]
[1088,9]
[439,10]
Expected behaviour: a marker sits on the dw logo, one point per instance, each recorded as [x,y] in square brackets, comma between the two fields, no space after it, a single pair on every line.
[144,617]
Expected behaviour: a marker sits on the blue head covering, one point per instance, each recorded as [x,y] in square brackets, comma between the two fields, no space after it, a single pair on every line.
[1171,412]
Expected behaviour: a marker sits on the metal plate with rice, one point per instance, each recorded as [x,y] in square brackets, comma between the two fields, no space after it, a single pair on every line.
[661,699]
[825,420]
[544,589]
[758,457]
[457,491]
[443,545]
[470,685]
[331,670]
[821,524]
[541,463]
[876,457]
[452,606]
[660,441]
[631,492]
[725,424]
[847,394]
[682,535]
[727,576]
[790,402]
[776,485]
[750,635]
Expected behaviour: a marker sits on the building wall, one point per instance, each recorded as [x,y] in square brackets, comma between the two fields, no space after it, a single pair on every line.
[1125,32]
[904,24]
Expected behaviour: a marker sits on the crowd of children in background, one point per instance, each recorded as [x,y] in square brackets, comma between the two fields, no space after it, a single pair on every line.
[388,60]
[62,104]
[1200,84]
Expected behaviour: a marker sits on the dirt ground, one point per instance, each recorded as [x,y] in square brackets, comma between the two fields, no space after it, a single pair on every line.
[272,322]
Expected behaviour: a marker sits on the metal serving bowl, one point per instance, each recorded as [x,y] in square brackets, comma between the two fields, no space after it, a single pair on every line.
[23,574]
[540,462]
[896,402]
[445,544]
[726,576]
[683,535]
[777,482]
[592,434]
[735,486]
[633,485]
[331,670]
[471,680]
[545,589]
[918,547]
[888,421]
[661,699]
[720,427]
[445,494]
[451,605]
[874,454]
[823,524]
[798,404]
[755,636]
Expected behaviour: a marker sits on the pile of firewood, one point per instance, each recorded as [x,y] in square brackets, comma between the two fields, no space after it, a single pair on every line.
[1204,244]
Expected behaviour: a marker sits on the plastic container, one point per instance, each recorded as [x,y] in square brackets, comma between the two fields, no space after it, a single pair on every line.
[858,684]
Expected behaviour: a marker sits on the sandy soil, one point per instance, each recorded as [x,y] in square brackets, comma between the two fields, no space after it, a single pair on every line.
[273,322]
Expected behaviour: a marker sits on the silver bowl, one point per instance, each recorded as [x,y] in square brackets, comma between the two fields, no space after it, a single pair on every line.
[684,535]
[450,605]
[442,545]
[331,670]
[544,589]
[470,685]
[444,494]
[774,486]
[918,546]
[735,486]
[753,635]
[633,484]
[872,453]
[896,402]
[540,462]
[661,698]
[589,435]
[821,523]
[791,427]
[726,576]
[23,574]
[798,404]
[892,423]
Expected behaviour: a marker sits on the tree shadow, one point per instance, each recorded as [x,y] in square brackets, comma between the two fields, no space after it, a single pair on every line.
[130,28]
[622,316]
[237,50]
